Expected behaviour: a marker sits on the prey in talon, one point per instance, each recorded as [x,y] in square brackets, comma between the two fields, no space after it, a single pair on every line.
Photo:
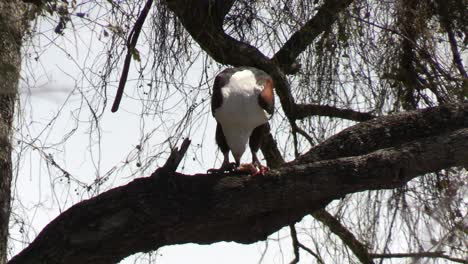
[242,103]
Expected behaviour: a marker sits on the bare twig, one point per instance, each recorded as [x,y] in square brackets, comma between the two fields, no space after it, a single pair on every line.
[131,43]
[390,229]
[447,24]
[436,254]
[176,156]
[297,245]
[299,130]
[358,248]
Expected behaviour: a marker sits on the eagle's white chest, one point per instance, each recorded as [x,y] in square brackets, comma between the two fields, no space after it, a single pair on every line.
[240,112]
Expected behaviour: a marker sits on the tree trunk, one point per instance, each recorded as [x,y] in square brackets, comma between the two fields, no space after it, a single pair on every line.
[12,28]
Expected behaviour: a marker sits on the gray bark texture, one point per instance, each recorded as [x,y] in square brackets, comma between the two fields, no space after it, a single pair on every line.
[12,28]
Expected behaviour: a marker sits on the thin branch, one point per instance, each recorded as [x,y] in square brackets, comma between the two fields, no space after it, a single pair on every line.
[131,44]
[305,135]
[297,129]
[447,24]
[455,53]
[317,257]
[358,248]
[307,110]
[390,229]
[297,245]
[436,254]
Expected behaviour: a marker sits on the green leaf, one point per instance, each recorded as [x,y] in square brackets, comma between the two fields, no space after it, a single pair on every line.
[135,54]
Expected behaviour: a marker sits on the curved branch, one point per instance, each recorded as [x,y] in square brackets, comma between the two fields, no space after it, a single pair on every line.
[358,248]
[170,208]
[300,40]
[131,44]
[297,245]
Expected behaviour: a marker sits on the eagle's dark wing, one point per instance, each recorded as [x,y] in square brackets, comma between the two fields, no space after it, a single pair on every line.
[220,81]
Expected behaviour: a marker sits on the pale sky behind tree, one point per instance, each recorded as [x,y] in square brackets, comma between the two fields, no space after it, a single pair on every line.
[48,90]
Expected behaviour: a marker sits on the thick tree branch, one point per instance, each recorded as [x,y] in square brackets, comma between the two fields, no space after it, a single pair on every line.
[392,130]
[307,110]
[160,210]
[320,23]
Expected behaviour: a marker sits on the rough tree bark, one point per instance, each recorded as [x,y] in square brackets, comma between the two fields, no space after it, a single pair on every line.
[12,29]
[171,208]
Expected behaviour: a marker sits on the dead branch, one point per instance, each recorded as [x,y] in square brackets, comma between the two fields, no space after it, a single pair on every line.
[131,44]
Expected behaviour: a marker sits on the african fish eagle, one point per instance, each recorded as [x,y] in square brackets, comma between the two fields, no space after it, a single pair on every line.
[242,103]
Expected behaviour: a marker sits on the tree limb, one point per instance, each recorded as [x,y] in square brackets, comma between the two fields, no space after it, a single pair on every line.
[307,110]
[448,26]
[271,152]
[176,156]
[344,234]
[301,39]
[297,245]
[295,242]
[161,210]
[131,44]
[392,130]
[437,254]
